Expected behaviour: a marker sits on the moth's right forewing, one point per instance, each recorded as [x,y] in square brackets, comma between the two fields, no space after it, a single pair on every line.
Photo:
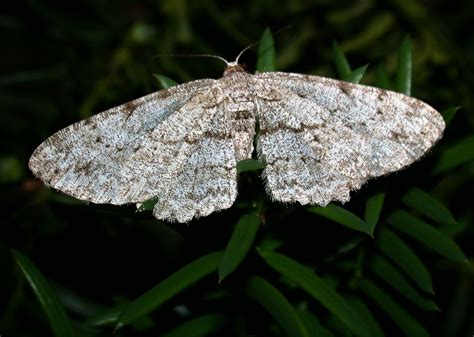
[94,159]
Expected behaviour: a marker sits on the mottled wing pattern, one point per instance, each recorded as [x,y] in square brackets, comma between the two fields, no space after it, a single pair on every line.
[321,138]
[111,157]
[204,175]
[206,180]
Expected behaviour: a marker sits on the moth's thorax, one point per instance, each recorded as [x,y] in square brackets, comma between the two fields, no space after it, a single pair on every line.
[236,84]
[239,92]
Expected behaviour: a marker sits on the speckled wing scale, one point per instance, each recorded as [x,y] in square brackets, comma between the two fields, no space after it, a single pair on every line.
[319,139]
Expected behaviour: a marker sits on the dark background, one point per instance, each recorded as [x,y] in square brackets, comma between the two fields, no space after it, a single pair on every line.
[63,61]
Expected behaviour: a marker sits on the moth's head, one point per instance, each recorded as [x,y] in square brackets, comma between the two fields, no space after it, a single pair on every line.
[234,67]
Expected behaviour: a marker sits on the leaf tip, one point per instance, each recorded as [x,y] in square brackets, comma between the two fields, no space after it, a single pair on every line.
[222,276]
[118,327]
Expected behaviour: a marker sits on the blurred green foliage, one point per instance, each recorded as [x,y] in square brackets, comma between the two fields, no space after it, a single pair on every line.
[293,271]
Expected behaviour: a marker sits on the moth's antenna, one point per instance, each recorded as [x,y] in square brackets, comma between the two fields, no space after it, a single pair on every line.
[218,57]
[244,50]
[282,29]
[193,55]
[257,42]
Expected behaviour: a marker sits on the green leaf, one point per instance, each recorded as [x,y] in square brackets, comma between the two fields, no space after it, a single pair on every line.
[105,317]
[249,165]
[170,287]
[373,208]
[109,316]
[404,68]
[270,242]
[165,82]
[239,244]
[313,326]
[342,216]
[366,315]
[148,205]
[356,75]
[277,305]
[428,206]
[404,320]
[455,155]
[426,234]
[266,60]
[342,65]
[449,113]
[57,317]
[402,255]
[387,272]
[317,288]
[201,326]
[343,68]
[455,229]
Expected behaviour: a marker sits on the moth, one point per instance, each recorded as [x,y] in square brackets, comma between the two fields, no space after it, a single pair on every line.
[318,139]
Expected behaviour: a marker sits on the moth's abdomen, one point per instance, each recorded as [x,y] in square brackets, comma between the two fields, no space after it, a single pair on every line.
[241,115]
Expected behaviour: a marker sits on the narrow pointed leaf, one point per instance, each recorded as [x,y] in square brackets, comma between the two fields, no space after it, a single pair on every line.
[313,326]
[455,229]
[342,216]
[249,165]
[342,65]
[404,68]
[277,306]
[455,155]
[373,208]
[170,287]
[402,255]
[270,242]
[57,317]
[318,289]
[426,234]
[165,82]
[386,271]
[201,326]
[366,315]
[147,205]
[428,206]
[239,244]
[266,53]
[400,317]
[448,114]
[107,317]
[357,75]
